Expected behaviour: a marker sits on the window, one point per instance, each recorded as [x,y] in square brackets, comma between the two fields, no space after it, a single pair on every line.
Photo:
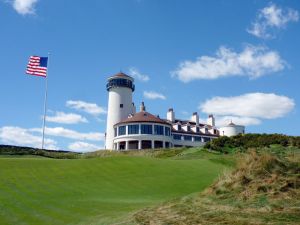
[188,128]
[206,139]
[121,105]
[167,131]
[133,129]
[120,83]
[146,129]
[187,137]
[197,129]
[177,136]
[158,130]
[122,130]
[179,127]
[115,131]
[197,138]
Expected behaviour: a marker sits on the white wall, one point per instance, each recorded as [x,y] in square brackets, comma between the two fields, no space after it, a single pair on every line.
[232,130]
[117,96]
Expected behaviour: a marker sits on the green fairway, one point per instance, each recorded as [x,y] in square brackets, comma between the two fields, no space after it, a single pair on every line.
[94,191]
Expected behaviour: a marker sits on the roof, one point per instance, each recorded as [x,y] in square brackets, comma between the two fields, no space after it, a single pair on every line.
[191,123]
[193,133]
[231,124]
[143,117]
[121,75]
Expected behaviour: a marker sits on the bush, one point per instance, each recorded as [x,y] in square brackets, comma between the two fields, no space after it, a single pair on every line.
[224,144]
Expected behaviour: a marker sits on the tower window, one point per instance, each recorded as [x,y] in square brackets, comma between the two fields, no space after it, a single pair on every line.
[146,129]
[133,129]
[122,130]
[158,130]
[167,131]
[121,105]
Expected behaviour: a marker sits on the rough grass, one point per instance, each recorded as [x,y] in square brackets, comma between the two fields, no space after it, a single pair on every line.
[264,189]
[103,189]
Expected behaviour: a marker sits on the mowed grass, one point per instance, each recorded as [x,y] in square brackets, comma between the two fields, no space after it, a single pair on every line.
[94,191]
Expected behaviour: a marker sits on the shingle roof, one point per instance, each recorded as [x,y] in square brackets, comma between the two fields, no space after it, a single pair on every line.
[120,75]
[143,117]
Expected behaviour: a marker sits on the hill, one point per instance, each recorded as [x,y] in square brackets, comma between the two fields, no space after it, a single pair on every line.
[100,188]
[263,189]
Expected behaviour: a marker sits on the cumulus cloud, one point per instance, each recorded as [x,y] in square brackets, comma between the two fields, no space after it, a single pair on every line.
[252,105]
[154,95]
[135,73]
[253,61]
[72,134]
[19,136]
[80,146]
[66,118]
[24,7]
[246,121]
[90,108]
[270,19]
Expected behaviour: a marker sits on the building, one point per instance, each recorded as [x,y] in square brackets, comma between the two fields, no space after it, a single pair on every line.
[127,129]
[232,129]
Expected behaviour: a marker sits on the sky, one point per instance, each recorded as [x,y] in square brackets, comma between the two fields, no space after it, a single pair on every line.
[238,60]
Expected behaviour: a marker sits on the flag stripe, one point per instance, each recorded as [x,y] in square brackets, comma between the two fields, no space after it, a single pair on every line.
[36,70]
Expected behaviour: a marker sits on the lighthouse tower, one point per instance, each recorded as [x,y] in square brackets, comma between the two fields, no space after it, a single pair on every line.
[120,105]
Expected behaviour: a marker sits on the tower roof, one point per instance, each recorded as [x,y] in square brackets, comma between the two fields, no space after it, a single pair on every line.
[120,80]
[120,75]
[143,117]
[231,124]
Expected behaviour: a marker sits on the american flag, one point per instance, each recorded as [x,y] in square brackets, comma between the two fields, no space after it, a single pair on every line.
[37,66]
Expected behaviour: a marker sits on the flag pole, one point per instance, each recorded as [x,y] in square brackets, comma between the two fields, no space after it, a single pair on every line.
[45,102]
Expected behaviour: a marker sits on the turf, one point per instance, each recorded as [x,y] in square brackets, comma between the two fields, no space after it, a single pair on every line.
[36,190]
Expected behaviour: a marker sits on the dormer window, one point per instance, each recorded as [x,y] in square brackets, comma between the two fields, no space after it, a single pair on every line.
[197,129]
[179,127]
[188,128]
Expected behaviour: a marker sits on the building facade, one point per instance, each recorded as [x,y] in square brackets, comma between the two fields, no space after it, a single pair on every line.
[127,129]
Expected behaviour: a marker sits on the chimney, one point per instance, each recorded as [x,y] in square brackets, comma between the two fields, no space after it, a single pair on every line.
[171,115]
[211,120]
[195,118]
[142,107]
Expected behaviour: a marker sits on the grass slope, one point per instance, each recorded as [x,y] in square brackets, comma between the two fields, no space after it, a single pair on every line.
[263,189]
[37,190]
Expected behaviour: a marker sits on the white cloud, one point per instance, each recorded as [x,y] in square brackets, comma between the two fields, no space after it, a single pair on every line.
[24,6]
[87,107]
[80,146]
[253,61]
[135,73]
[253,105]
[66,118]
[19,136]
[72,134]
[154,95]
[246,121]
[272,18]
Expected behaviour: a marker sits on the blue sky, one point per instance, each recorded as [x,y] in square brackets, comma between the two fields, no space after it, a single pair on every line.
[239,60]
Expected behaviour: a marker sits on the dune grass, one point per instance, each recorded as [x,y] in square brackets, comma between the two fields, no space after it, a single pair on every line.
[103,190]
[263,189]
